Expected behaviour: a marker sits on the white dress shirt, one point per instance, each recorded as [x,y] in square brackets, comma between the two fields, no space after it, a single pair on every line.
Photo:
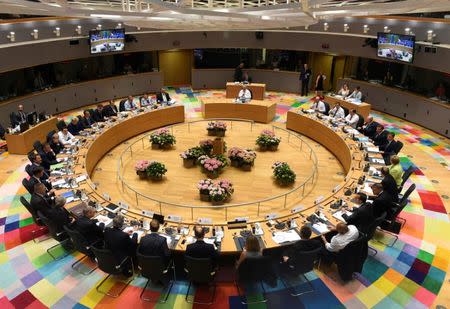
[337,112]
[129,105]
[343,92]
[352,120]
[66,139]
[355,95]
[320,106]
[339,241]
[245,93]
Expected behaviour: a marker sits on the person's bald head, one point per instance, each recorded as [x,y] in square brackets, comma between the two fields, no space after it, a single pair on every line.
[369,119]
[341,228]
[199,232]
[75,120]
[20,107]
[154,226]
[89,212]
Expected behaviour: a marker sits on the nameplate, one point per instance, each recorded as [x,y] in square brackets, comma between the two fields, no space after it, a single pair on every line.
[336,189]
[204,220]
[241,219]
[174,218]
[297,209]
[106,196]
[148,213]
[318,200]
[123,205]
[271,216]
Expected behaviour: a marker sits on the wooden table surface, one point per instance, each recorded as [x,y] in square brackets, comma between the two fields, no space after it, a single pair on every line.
[258,90]
[362,108]
[23,143]
[344,148]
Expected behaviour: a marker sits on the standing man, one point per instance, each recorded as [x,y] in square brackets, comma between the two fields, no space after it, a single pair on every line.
[238,72]
[18,117]
[305,74]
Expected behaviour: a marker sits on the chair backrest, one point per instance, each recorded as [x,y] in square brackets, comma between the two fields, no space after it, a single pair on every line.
[345,110]
[61,125]
[30,209]
[360,121]
[50,135]
[199,269]
[37,145]
[106,260]
[26,183]
[79,241]
[406,175]
[303,261]
[408,193]
[122,106]
[351,258]
[254,269]
[398,147]
[152,267]
[52,227]
[373,226]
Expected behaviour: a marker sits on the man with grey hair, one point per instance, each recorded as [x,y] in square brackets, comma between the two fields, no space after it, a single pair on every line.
[120,243]
[89,227]
[58,214]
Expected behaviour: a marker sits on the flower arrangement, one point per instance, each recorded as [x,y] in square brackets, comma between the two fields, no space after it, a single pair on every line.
[206,145]
[212,167]
[162,138]
[268,140]
[141,165]
[216,128]
[249,157]
[283,173]
[240,157]
[216,192]
[156,170]
[191,155]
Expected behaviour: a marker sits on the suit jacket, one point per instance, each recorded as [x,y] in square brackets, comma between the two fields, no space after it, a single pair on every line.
[154,245]
[75,129]
[89,229]
[301,246]
[390,186]
[17,118]
[48,159]
[40,203]
[237,74]
[159,97]
[382,203]
[361,217]
[389,148]
[56,147]
[29,170]
[109,111]
[201,249]
[59,216]
[87,122]
[98,116]
[370,129]
[380,139]
[33,181]
[120,243]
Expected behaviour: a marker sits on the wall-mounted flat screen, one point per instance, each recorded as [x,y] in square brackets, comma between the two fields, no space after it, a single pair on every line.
[398,47]
[107,41]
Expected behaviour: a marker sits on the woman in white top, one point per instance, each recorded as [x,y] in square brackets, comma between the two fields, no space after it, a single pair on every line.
[352,119]
[344,91]
[65,137]
[345,235]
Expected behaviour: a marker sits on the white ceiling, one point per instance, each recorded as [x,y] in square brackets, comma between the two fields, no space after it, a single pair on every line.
[220,14]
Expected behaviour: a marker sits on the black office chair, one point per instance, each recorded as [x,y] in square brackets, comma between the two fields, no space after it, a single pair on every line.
[351,259]
[300,264]
[252,273]
[42,228]
[276,253]
[154,269]
[82,245]
[370,231]
[50,135]
[26,183]
[398,147]
[122,106]
[406,176]
[37,145]
[360,121]
[403,197]
[108,264]
[29,169]
[58,235]
[200,271]
[61,125]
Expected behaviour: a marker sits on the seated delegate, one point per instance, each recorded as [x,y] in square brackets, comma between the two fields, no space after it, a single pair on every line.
[244,95]
[38,177]
[318,105]
[48,156]
[251,249]
[55,144]
[352,118]
[110,110]
[362,215]
[356,94]
[40,201]
[75,126]
[36,160]
[390,148]
[154,244]
[380,136]
[369,127]
[304,244]
[389,184]
[345,235]
[66,138]
[163,98]
[382,202]
[201,249]
[396,170]
[99,115]
[337,112]
[87,121]
[344,91]
[129,104]
[89,227]
[58,214]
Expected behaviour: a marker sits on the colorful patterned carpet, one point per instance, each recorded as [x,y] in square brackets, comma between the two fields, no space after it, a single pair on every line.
[410,274]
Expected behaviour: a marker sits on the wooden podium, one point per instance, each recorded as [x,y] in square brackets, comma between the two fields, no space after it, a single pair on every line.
[218,146]
[258,90]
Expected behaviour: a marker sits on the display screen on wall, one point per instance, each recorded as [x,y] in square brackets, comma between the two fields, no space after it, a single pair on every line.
[107,41]
[398,47]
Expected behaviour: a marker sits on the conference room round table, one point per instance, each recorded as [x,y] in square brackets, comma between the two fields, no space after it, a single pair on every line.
[97,142]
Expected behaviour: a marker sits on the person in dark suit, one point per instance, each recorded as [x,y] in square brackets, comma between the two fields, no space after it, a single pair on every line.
[162,97]
[305,75]
[153,244]
[200,249]
[58,214]
[304,244]
[36,160]
[87,121]
[389,184]
[389,149]
[48,156]
[369,127]
[238,72]
[120,243]
[18,117]
[56,146]
[382,201]
[362,216]
[88,227]
[110,110]
[98,115]
[38,177]
[380,136]
[39,200]
[75,126]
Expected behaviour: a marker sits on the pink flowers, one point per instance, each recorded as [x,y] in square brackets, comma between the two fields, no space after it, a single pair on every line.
[216,125]
[206,143]
[142,165]
[204,184]
[217,191]
[268,133]
[212,164]
[242,155]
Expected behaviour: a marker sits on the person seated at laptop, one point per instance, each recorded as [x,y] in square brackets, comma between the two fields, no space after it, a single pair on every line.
[89,227]
[362,215]
[201,249]
[129,104]
[162,97]
[304,244]
[252,248]
[337,112]
[36,160]
[38,177]
[344,91]
[87,121]
[48,156]
[40,201]
[146,101]
[318,105]
[75,126]
[66,138]
[110,110]
[352,118]
[244,94]
[369,127]
[154,244]
[345,235]
[356,94]
[99,115]
[58,214]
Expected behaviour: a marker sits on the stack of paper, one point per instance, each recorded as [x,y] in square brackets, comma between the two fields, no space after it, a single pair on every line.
[373,149]
[287,236]
[320,227]
[338,214]
[103,219]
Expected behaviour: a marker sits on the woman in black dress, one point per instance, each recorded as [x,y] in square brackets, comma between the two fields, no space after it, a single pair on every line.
[319,83]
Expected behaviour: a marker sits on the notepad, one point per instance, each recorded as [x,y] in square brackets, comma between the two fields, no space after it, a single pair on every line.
[338,214]
[56,166]
[373,149]
[286,236]
[320,228]
[81,178]
[103,219]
